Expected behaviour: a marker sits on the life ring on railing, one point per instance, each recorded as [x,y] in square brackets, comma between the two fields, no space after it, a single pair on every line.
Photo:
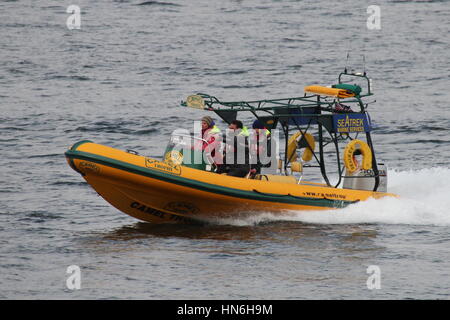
[350,163]
[293,145]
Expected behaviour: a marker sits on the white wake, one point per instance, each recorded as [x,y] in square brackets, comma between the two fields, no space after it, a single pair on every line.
[424,200]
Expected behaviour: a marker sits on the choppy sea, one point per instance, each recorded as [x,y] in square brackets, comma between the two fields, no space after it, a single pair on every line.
[118,80]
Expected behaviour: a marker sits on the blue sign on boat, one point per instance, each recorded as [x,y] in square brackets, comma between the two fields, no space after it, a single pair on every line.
[351,122]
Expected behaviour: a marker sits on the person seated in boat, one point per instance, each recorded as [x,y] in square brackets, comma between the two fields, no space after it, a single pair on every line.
[260,146]
[236,153]
[211,138]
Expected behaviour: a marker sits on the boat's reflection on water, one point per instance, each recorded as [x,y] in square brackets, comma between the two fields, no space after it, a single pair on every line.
[266,231]
[216,232]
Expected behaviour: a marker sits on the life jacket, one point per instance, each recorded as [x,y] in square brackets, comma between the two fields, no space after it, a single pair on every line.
[210,136]
[244,132]
[237,143]
[257,141]
[212,141]
[260,145]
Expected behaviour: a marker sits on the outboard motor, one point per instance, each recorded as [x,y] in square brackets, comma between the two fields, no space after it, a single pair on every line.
[365,180]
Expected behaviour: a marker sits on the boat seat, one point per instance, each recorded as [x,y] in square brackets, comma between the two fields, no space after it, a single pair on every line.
[276,178]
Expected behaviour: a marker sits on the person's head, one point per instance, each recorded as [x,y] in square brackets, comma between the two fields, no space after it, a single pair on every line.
[235,124]
[207,122]
[257,125]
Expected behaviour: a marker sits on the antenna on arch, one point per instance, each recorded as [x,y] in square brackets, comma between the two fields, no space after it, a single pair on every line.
[364,63]
[346,62]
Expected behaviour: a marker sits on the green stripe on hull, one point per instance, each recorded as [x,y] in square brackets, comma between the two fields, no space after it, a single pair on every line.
[243,194]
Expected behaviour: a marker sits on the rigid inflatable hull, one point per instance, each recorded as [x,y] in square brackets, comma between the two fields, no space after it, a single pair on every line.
[154,191]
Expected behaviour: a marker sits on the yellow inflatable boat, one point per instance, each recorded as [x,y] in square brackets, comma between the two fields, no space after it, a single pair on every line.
[171,190]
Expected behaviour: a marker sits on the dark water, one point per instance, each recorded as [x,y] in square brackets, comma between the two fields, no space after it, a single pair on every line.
[118,81]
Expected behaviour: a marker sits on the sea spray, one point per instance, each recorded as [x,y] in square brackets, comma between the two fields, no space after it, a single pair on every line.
[423,200]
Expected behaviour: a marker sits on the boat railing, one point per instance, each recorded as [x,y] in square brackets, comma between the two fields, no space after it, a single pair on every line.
[190,142]
[185,136]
